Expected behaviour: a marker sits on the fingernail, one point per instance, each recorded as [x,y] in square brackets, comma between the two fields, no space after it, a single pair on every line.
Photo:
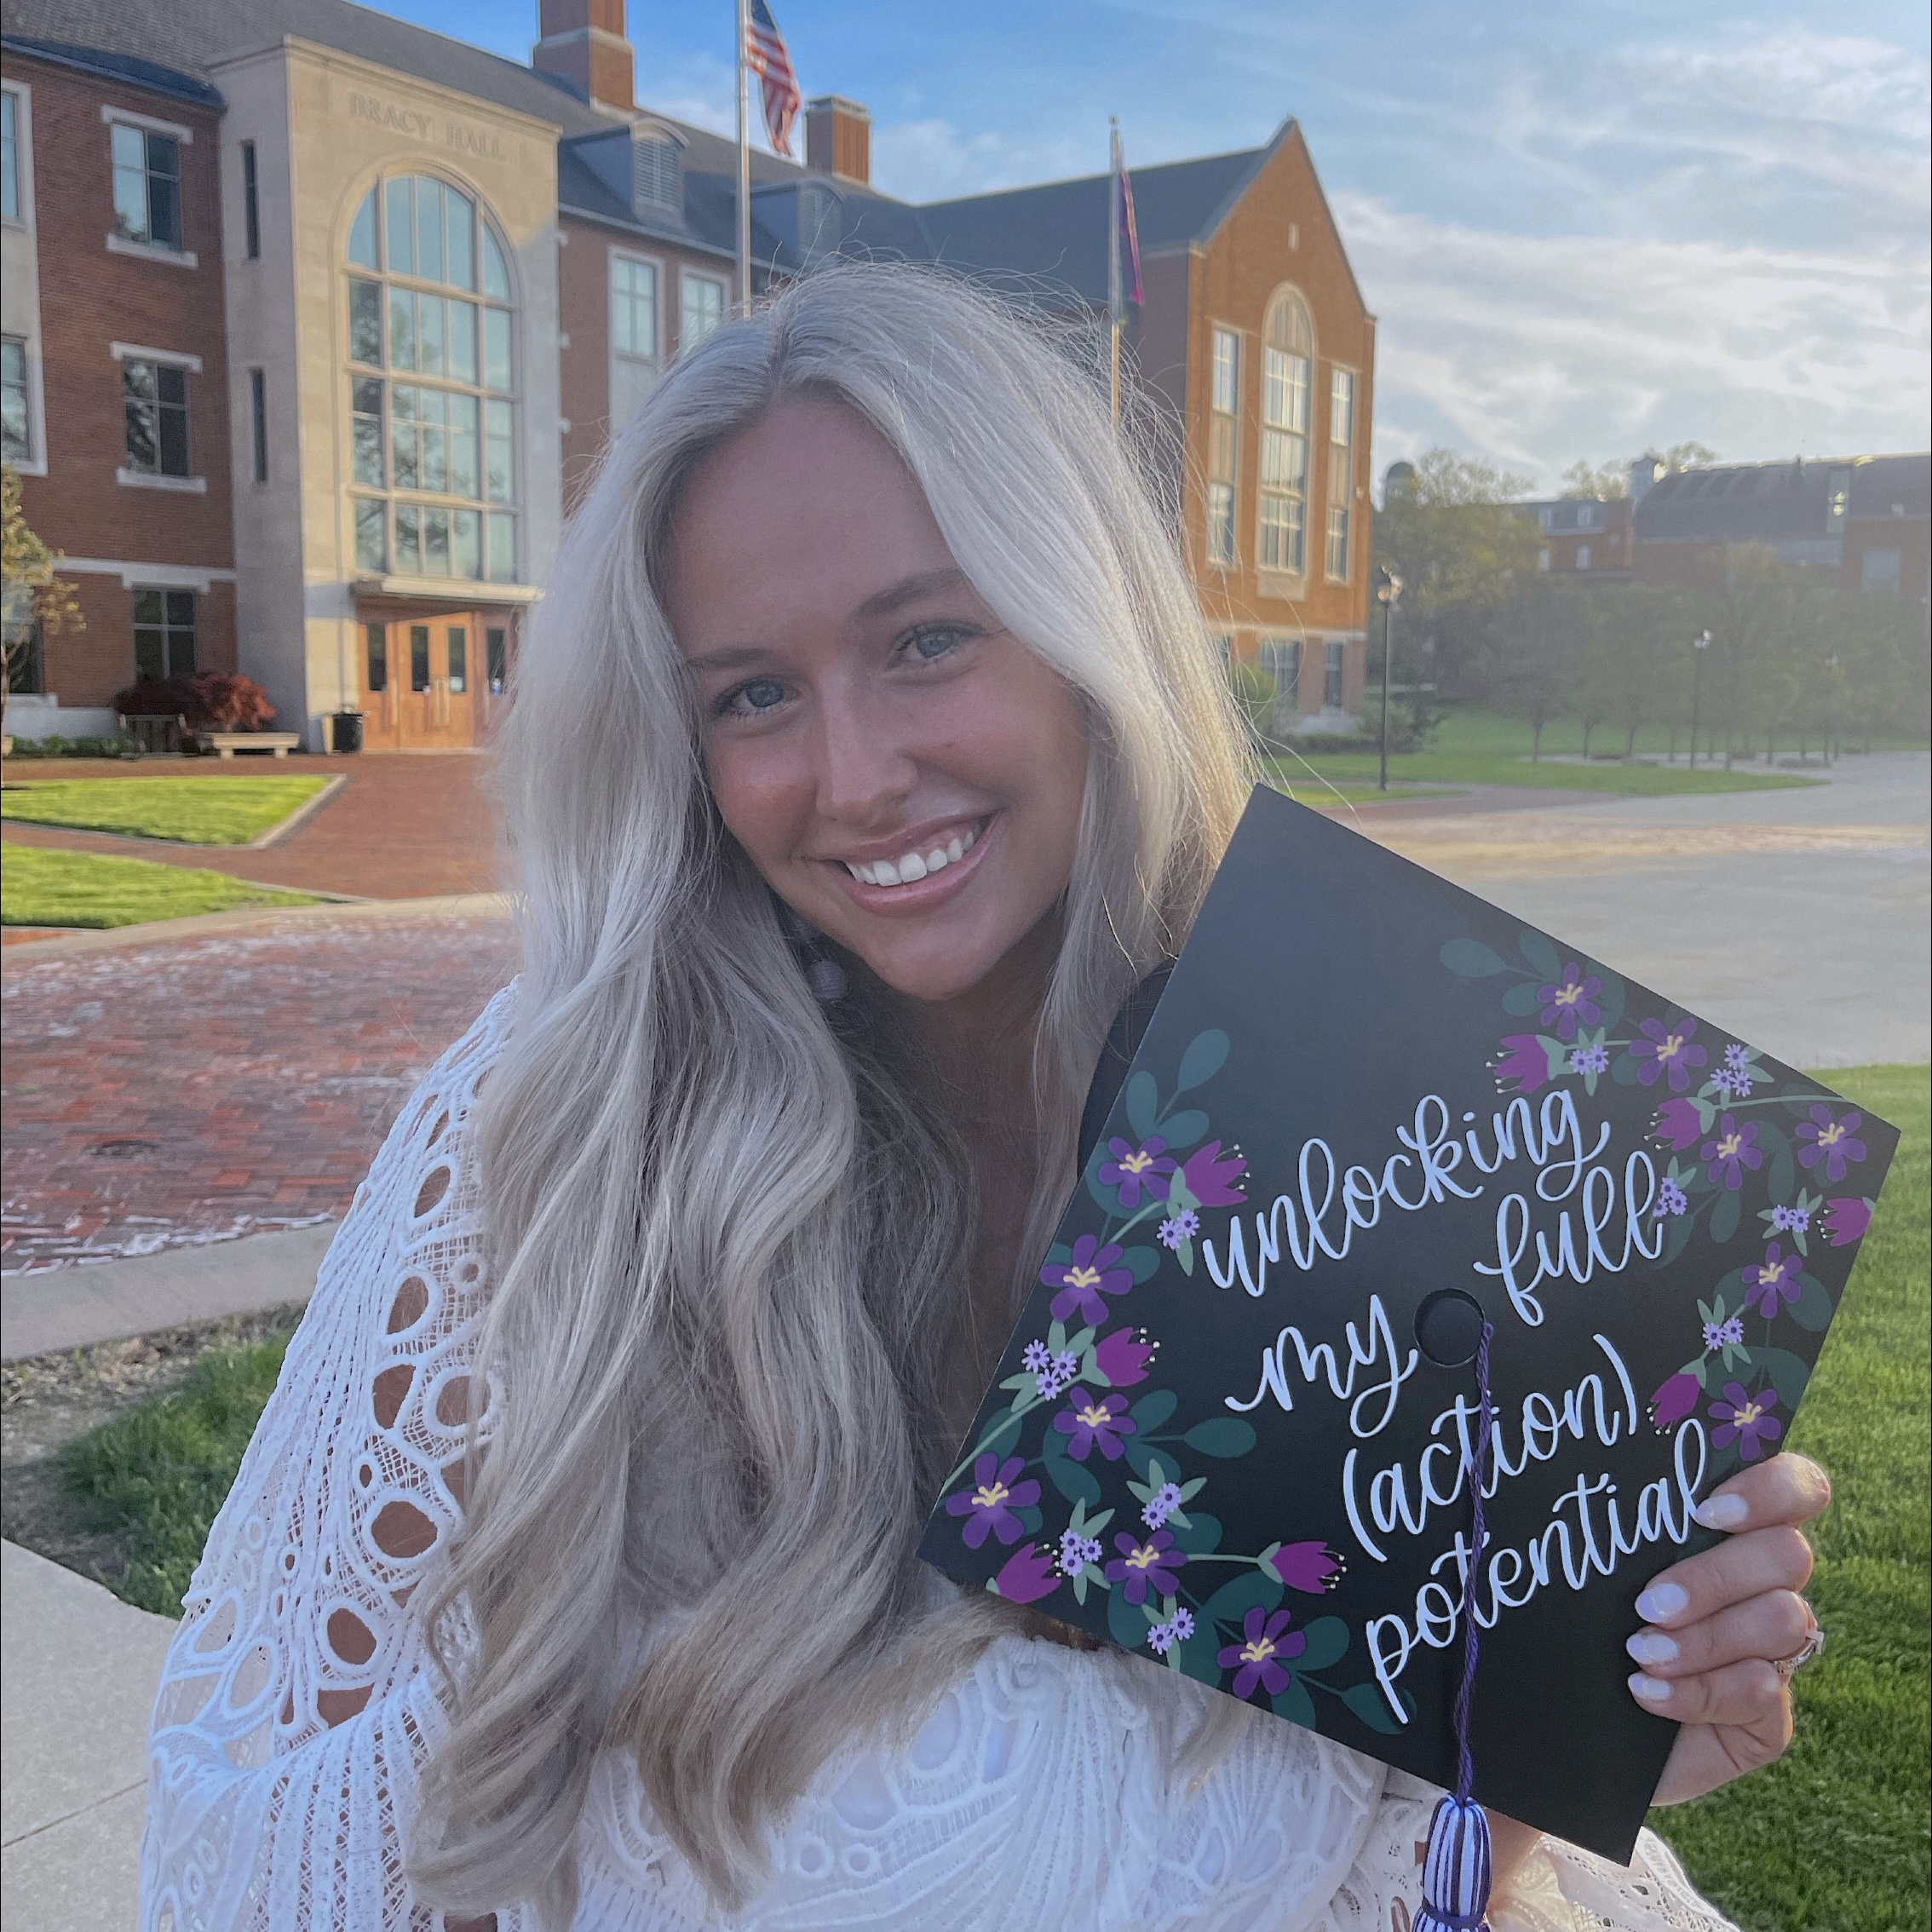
[1650,1690]
[1722,1512]
[1651,1647]
[1661,1602]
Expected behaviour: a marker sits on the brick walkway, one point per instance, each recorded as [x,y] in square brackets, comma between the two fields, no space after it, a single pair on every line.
[169,1091]
[405,826]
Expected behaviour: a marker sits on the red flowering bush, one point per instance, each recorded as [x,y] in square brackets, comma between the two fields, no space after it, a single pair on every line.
[209,701]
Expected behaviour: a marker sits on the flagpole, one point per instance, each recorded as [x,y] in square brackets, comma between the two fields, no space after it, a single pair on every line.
[1114,302]
[744,169]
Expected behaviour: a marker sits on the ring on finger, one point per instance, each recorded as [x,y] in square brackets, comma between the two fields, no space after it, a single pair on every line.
[1813,1644]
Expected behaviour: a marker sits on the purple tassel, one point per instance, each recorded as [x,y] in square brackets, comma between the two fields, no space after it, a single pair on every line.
[1456,1871]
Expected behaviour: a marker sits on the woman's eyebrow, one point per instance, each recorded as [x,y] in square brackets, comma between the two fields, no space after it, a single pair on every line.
[908,590]
[729,657]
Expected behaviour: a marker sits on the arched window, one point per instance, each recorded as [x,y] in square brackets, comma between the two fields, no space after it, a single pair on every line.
[1288,350]
[432,382]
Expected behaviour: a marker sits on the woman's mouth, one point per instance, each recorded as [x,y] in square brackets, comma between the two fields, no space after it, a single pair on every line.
[915,865]
[924,877]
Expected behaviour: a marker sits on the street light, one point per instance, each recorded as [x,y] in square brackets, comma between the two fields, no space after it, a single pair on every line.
[1387,595]
[1830,702]
[1699,645]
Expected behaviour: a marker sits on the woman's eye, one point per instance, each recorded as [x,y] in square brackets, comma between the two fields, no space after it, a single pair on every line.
[748,700]
[933,640]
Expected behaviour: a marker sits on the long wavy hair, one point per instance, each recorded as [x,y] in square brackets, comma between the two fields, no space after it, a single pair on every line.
[728,1223]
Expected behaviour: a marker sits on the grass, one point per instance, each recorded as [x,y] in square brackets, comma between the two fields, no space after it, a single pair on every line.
[1833,1836]
[39,886]
[1320,789]
[198,811]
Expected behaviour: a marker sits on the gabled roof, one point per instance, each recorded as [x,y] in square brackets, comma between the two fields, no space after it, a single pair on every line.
[1772,503]
[128,68]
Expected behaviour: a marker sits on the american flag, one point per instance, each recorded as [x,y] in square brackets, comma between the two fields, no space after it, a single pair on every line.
[766,56]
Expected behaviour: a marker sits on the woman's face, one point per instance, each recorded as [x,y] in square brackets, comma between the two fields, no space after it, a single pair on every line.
[896,765]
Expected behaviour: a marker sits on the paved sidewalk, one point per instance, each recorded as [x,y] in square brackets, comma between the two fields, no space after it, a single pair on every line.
[77,1673]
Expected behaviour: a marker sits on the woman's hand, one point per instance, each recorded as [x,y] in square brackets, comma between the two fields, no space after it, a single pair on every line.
[1718,1622]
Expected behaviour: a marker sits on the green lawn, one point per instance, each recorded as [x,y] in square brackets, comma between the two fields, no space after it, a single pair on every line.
[43,888]
[1833,1838]
[1319,788]
[200,811]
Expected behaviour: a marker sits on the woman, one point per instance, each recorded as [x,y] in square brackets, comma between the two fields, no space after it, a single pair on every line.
[868,753]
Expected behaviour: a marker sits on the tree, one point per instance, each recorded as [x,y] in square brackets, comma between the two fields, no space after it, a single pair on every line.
[31,596]
[1580,479]
[1636,670]
[1534,655]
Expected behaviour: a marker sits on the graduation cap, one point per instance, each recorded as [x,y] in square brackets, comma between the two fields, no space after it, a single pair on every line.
[1377,1145]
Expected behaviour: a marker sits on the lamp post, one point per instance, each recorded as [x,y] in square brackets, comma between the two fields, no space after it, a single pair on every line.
[1699,645]
[1387,594]
[1830,702]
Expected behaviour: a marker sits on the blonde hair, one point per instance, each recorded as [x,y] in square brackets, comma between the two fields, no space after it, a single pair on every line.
[727,1224]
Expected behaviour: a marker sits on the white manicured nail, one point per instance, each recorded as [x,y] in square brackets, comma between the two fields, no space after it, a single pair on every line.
[1651,1647]
[1722,1512]
[1650,1690]
[1661,1602]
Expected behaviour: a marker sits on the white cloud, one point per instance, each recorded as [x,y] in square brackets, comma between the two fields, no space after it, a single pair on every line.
[930,160]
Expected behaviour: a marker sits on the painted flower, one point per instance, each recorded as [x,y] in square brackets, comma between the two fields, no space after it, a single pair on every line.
[1731,1150]
[1595,1058]
[1060,1370]
[1790,1220]
[1093,1271]
[1124,1356]
[988,1506]
[1266,1644]
[1671,1199]
[1745,1420]
[1035,1358]
[1737,1057]
[1833,1141]
[1178,1627]
[1773,1281]
[1140,1566]
[1526,1063]
[1095,1419]
[1846,1220]
[1727,1334]
[1571,999]
[1028,1575]
[1179,1227]
[1134,1169]
[1161,1504]
[1675,1399]
[1667,1051]
[1310,1567]
[1679,1124]
[1211,1176]
[1731,1083]
[1077,1551]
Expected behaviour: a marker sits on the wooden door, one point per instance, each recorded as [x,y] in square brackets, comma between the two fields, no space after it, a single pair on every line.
[419,682]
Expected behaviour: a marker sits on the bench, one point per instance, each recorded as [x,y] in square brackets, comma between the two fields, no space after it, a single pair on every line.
[158,733]
[226,744]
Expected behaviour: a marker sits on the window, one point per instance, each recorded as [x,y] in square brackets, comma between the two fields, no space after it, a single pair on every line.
[1332,676]
[1282,657]
[1287,360]
[154,401]
[1582,556]
[163,632]
[1224,418]
[634,334]
[1543,558]
[496,656]
[375,638]
[9,155]
[16,419]
[419,657]
[1340,473]
[258,419]
[431,419]
[1589,517]
[1879,571]
[148,186]
[701,308]
[24,643]
[251,207]
[654,168]
[1546,519]
[456,643]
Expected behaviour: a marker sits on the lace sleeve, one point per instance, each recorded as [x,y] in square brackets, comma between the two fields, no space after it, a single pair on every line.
[296,1701]
[1560,1888]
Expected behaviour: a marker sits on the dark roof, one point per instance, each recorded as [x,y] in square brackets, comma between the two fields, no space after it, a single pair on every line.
[125,68]
[1772,503]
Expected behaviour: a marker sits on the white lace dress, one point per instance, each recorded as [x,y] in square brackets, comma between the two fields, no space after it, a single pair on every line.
[296,1703]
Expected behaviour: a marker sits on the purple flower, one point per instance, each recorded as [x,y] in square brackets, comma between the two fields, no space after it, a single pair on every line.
[1266,1643]
[1745,1420]
[1093,1271]
[1732,1149]
[1163,1638]
[1141,1566]
[1667,1051]
[1775,1279]
[1037,1358]
[1573,998]
[1790,1220]
[1029,1574]
[1589,1059]
[1737,1057]
[1671,1199]
[988,1506]
[1526,1063]
[1679,1125]
[1846,1220]
[1834,1141]
[1091,1420]
[1310,1567]
[1211,1176]
[1077,1551]
[1124,1356]
[1179,1227]
[1733,1084]
[1676,1399]
[1133,1168]
[1161,1504]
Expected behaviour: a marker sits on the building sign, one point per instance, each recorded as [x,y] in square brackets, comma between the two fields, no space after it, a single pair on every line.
[477,142]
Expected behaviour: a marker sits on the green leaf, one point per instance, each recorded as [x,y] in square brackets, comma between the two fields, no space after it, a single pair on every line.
[1724,1214]
[1556,1054]
[1183,1129]
[1328,1642]
[1611,999]
[1141,1263]
[1221,1436]
[1541,953]
[1782,1176]
[1250,1590]
[1185,1255]
[1471,959]
[1153,1409]
[1124,1623]
[1787,1374]
[1075,1480]
[1521,1000]
[1677,1236]
[1812,1310]
[1143,1102]
[1206,1054]
[1199,1536]
[1371,1707]
[1296,1705]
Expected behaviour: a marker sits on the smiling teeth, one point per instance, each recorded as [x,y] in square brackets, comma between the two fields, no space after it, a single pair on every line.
[914,865]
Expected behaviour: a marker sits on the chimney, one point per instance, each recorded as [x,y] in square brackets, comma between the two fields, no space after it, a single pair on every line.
[838,138]
[583,46]
[1644,471]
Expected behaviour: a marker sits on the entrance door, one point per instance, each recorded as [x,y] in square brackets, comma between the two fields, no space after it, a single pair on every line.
[419,682]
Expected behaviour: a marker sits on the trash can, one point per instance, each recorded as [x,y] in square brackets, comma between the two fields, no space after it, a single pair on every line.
[345,731]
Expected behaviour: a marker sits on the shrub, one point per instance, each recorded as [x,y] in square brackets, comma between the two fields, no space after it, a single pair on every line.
[209,701]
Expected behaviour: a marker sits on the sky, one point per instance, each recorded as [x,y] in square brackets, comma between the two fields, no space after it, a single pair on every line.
[1587,232]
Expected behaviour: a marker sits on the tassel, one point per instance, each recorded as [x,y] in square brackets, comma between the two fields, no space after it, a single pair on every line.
[1456,1871]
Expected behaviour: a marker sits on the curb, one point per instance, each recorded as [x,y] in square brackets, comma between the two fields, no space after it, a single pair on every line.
[305,811]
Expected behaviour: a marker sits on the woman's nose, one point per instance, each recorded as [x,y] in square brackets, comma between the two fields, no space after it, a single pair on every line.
[865,769]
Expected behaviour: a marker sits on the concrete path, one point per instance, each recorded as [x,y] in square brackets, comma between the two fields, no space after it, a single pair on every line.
[77,1673]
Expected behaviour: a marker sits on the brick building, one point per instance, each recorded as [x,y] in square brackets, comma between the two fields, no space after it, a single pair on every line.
[1583,536]
[315,322]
